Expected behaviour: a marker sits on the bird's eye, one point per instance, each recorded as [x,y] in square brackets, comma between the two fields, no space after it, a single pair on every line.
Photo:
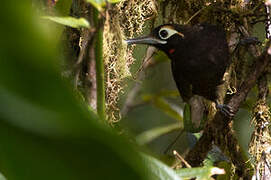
[163,34]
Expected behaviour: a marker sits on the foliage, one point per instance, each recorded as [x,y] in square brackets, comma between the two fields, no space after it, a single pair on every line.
[99,4]
[48,132]
[156,167]
[151,134]
[202,173]
[69,21]
[123,20]
[160,103]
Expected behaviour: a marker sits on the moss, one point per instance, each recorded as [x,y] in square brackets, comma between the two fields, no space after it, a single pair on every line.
[127,19]
[261,139]
[123,20]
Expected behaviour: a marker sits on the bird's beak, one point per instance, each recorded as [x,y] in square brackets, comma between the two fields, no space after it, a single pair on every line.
[145,40]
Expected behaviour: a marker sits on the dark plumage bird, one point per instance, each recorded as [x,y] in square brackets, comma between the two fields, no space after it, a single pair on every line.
[199,57]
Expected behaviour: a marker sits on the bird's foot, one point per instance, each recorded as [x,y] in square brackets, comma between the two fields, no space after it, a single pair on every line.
[225,109]
[249,41]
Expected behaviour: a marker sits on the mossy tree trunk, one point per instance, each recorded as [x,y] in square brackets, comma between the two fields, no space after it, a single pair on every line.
[249,62]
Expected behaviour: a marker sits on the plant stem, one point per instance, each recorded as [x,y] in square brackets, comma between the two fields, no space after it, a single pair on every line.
[98,48]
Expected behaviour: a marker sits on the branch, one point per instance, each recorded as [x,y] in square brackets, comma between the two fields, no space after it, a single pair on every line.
[259,146]
[99,61]
[84,47]
[221,123]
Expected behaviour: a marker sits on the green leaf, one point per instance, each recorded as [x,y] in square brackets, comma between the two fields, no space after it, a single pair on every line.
[114,1]
[160,56]
[99,4]
[159,170]
[167,108]
[200,173]
[169,93]
[160,103]
[69,21]
[45,131]
[2,177]
[151,134]
[63,7]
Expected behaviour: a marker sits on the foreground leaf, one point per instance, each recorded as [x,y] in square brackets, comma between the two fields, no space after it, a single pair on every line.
[45,131]
[2,177]
[159,170]
[166,107]
[63,7]
[99,4]
[69,21]
[151,134]
[200,173]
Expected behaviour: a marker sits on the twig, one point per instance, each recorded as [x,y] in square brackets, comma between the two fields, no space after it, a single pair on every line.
[84,47]
[194,15]
[130,100]
[175,153]
[87,40]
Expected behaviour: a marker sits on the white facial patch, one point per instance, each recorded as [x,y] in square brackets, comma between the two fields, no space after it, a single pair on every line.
[167,32]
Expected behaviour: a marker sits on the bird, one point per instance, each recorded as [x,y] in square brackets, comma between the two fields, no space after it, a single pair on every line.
[199,57]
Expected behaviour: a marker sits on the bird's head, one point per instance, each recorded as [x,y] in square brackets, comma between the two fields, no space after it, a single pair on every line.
[165,37]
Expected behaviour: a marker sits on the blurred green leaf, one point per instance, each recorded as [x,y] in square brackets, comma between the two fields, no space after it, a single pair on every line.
[114,1]
[159,170]
[160,56]
[63,7]
[200,173]
[45,131]
[169,93]
[99,4]
[151,134]
[69,21]
[249,103]
[166,107]
[2,177]
[227,166]
[163,94]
